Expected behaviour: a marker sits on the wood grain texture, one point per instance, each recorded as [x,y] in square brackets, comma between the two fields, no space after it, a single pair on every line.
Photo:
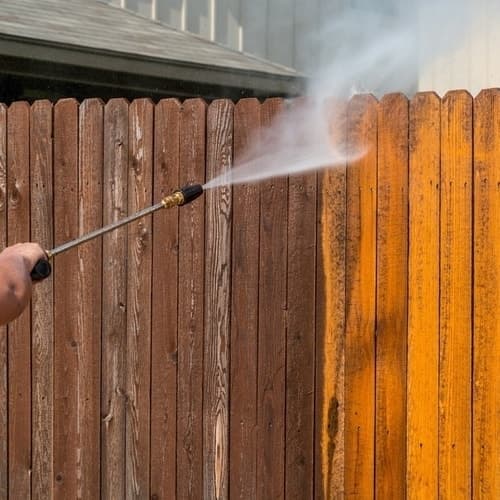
[19,344]
[165,303]
[138,376]
[272,329]
[392,276]
[217,303]
[423,296]
[66,301]
[4,412]
[114,300]
[90,166]
[42,310]
[301,330]
[455,358]
[486,362]
[360,298]
[244,313]
[191,299]
[330,321]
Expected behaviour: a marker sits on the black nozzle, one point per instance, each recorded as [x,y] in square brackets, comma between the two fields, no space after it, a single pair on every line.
[41,270]
[192,192]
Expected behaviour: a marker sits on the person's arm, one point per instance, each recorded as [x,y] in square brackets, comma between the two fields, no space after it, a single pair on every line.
[16,263]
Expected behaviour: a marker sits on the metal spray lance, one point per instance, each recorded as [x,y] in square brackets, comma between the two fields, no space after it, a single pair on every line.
[180,197]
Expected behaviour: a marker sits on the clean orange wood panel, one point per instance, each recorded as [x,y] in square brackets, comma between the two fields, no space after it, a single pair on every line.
[19,341]
[360,298]
[455,359]
[165,303]
[330,319]
[114,300]
[42,310]
[423,296]
[486,374]
[392,277]
[139,279]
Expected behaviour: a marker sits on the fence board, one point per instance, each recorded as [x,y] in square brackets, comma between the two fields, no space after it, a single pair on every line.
[360,305]
[165,303]
[244,313]
[4,421]
[300,342]
[217,303]
[190,314]
[42,315]
[423,296]
[66,300]
[455,363]
[138,377]
[114,300]
[392,231]
[272,334]
[330,321]
[91,115]
[486,374]
[19,344]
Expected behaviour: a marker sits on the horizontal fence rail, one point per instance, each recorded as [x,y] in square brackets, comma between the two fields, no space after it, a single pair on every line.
[329,335]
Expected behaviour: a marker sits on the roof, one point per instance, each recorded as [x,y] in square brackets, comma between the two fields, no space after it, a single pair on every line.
[101,36]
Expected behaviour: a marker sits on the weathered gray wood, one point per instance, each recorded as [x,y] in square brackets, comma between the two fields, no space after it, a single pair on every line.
[165,304]
[89,294]
[244,313]
[217,303]
[42,315]
[19,342]
[191,298]
[114,300]
[138,383]
[4,425]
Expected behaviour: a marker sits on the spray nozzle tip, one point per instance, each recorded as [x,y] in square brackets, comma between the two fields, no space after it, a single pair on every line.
[190,193]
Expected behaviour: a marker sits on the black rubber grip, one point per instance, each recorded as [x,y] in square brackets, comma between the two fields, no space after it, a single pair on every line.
[41,270]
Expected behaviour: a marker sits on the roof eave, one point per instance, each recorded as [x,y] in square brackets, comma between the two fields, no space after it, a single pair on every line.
[141,65]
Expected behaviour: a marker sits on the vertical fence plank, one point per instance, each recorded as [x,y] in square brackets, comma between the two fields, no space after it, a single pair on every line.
[360,298]
[272,333]
[455,363]
[4,421]
[392,249]
[330,321]
[423,297]
[114,300]
[165,302]
[486,405]
[19,345]
[42,315]
[89,290]
[300,340]
[66,300]
[138,380]
[190,314]
[244,313]
[217,303]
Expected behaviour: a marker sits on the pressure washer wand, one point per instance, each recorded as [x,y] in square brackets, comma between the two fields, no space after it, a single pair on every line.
[180,197]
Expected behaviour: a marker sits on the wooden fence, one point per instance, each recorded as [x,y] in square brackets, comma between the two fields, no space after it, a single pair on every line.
[324,336]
